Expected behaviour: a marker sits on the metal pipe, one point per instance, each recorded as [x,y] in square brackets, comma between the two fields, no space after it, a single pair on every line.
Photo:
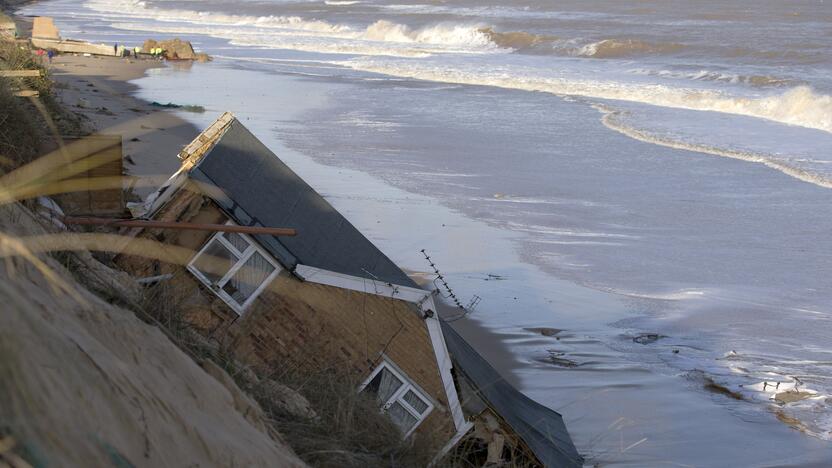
[141,223]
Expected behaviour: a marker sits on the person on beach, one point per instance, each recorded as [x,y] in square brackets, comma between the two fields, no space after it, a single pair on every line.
[49,54]
[115,49]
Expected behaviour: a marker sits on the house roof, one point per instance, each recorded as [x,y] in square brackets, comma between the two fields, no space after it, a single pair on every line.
[541,428]
[257,188]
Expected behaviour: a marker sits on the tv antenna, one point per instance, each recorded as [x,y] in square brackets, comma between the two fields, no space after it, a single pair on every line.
[450,292]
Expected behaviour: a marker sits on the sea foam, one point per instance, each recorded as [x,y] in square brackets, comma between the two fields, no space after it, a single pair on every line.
[800,106]
[612,119]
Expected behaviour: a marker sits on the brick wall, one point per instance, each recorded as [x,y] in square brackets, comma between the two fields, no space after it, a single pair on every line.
[291,319]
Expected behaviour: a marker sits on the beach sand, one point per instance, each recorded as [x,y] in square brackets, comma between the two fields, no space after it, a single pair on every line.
[99,89]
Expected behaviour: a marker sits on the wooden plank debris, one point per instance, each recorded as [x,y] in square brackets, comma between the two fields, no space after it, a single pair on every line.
[155,279]
[19,73]
[141,223]
[27,93]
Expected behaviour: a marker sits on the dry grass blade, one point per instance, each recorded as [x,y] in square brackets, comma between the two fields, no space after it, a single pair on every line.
[12,195]
[113,243]
[54,165]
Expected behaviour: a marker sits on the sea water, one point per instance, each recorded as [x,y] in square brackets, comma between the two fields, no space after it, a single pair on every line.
[609,168]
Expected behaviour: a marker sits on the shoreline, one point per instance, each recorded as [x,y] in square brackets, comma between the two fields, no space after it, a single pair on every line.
[519,355]
[489,343]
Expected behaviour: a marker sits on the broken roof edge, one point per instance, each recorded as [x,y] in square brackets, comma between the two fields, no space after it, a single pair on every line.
[194,151]
[190,156]
[547,437]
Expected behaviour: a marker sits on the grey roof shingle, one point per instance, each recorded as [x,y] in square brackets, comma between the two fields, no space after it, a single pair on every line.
[260,189]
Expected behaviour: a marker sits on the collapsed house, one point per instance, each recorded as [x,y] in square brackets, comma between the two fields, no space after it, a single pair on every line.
[275,298]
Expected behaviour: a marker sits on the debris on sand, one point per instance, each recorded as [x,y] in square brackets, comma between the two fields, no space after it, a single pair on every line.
[186,108]
[647,338]
[544,331]
[712,386]
[556,357]
[791,396]
[175,49]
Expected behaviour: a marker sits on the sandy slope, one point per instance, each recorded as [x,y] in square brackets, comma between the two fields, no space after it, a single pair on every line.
[84,383]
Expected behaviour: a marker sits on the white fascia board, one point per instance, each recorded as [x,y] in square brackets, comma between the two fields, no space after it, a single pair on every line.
[423,299]
[443,360]
[365,285]
[161,196]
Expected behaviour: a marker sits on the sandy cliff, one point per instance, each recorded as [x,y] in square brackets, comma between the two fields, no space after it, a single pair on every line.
[85,383]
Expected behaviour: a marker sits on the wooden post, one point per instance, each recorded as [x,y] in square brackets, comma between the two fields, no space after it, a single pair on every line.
[19,73]
[141,223]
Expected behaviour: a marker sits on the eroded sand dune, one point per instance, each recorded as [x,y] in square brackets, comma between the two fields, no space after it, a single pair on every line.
[84,383]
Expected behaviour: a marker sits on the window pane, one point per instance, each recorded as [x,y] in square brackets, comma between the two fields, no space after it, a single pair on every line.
[415,401]
[215,261]
[248,278]
[383,386]
[401,417]
[236,240]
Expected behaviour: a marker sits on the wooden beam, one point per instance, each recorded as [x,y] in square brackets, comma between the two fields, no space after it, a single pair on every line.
[27,93]
[19,73]
[141,223]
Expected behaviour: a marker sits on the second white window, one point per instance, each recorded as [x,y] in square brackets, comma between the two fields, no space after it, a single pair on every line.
[402,401]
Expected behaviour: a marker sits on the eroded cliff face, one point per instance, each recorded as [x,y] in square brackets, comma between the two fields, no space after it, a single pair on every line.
[86,383]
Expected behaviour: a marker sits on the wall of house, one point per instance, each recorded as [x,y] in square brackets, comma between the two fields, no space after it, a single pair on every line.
[293,320]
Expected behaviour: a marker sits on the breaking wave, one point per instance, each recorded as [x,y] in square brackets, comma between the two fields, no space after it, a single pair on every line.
[453,36]
[760,81]
[800,106]
[131,9]
[612,120]
[439,34]
[615,48]
[294,32]
[515,40]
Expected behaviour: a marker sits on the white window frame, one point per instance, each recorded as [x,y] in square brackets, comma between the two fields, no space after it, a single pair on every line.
[242,259]
[398,396]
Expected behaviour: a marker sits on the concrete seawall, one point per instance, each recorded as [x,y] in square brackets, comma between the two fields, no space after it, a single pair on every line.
[78,47]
